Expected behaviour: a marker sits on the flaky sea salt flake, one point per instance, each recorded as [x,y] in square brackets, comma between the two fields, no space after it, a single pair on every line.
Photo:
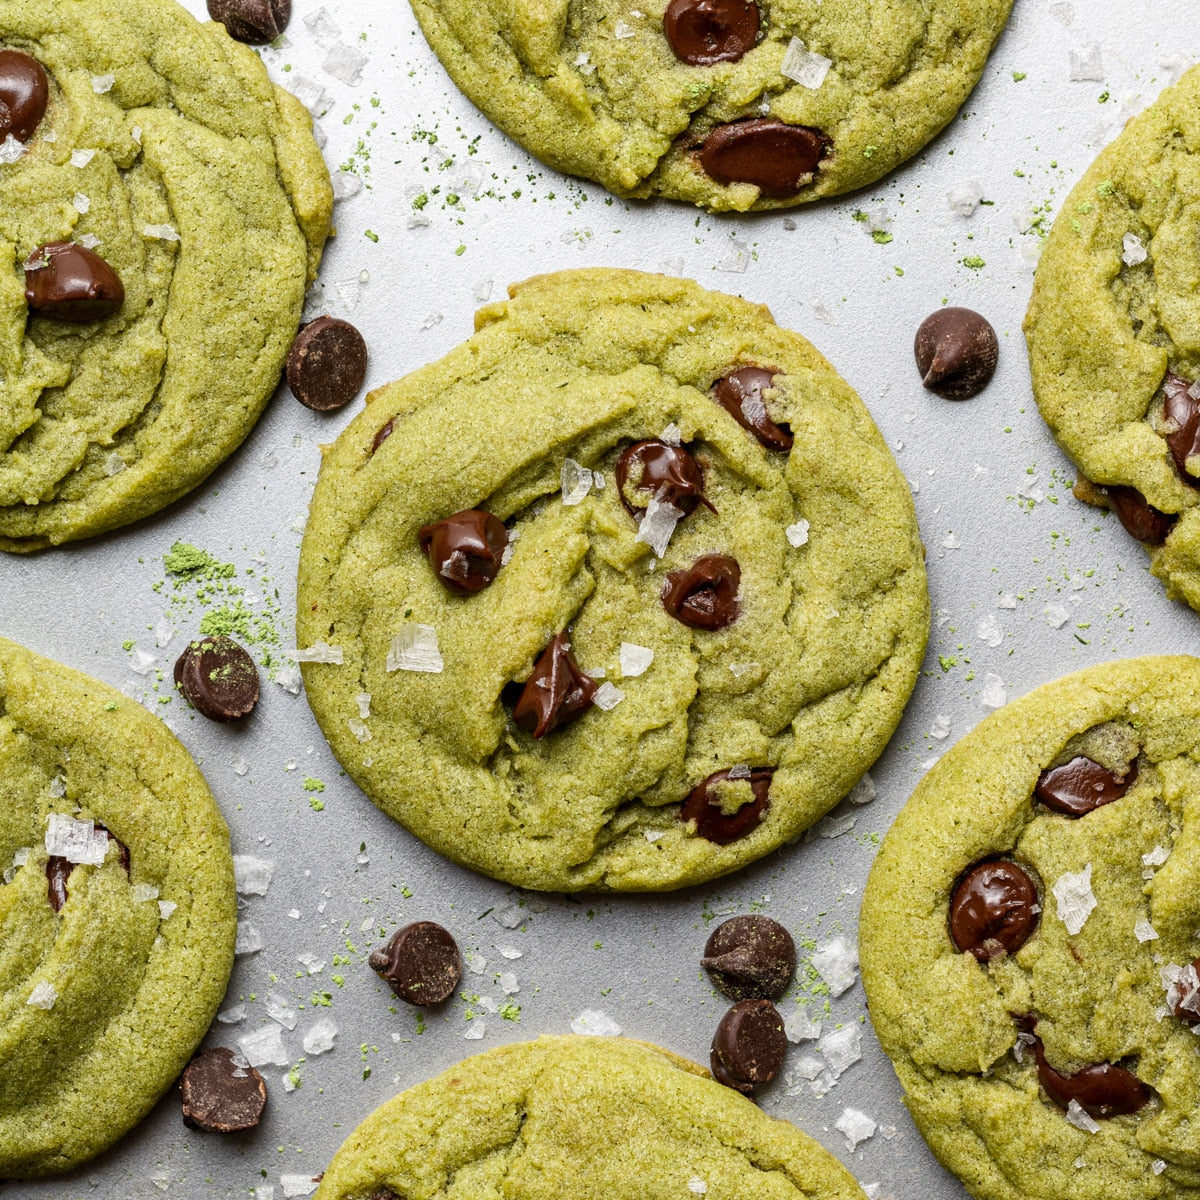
[798,1026]
[1056,615]
[622,30]
[941,727]
[321,652]
[1086,64]
[81,203]
[323,27]
[855,1126]
[81,158]
[797,534]
[232,1015]
[264,1046]
[1144,931]
[320,1036]
[508,983]
[672,435]
[11,150]
[76,841]
[165,232]
[1077,1116]
[103,83]
[144,892]
[697,1186]
[345,63]
[863,792]
[165,909]
[994,694]
[634,659]
[1132,250]
[607,697]
[965,198]
[989,632]
[842,1048]
[249,939]
[837,962]
[576,481]
[288,677]
[278,1009]
[806,67]
[658,524]
[1156,857]
[252,876]
[1075,899]
[475,1030]
[297,1185]
[415,648]
[43,996]
[595,1023]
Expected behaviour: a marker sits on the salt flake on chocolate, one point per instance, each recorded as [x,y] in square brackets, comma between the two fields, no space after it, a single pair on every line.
[1075,899]
[76,841]
[658,524]
[415,648]
[806,67]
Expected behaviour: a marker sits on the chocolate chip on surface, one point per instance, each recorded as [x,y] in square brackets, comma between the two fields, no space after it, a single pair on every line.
[702,32]
[255,22]
[556,692]
[750,1043]
[221,1092]
[420,963]
[750,958]
[956,352]
[740,393]
[1135,513]
[704,595]
[1078,787]
[24,94]
[993,909]
[669,474]
[58,871]
[217,678]
[722,810]
[327,364]
[1101,1090]
[723,1077]
[69,282]
[1182,411]
[777,158]
[464,549]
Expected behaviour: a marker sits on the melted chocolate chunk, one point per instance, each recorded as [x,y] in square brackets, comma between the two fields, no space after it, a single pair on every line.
[704,595]
[255,22]
[382,434]
[749,1044]
[24,94]
[327,364]
[750,958]
[217,678]
[703,805]
[956,351]
[420,963]
[992,909]
[1081,785]
[1143,522]
[1183,411]
[464,549]
[1102,1090]
[221,1092]
[556,693]
[740,394]
[703,32]
[668,473]
[69,282]
[777,158]
[58,871]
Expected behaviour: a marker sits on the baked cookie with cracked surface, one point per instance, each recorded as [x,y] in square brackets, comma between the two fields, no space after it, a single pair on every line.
[117,913]
[594,1118]
[729,104]
[1114,337]
[1028,941]
[162,209]
[624,592]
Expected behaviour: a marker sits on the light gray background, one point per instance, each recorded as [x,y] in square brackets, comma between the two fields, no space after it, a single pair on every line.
[991,491]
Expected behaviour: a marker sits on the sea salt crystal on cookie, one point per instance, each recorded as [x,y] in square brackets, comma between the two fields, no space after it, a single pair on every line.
[76,841]
[415,648]
[320,652]
[806,67]
[1073,893]
[1132,250]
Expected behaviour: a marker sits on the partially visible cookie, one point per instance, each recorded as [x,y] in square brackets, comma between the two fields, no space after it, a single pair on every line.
[117,913]
[1114,336]
[161,214]
[625,592]
[593,1118]
[1027,939]
[729,104]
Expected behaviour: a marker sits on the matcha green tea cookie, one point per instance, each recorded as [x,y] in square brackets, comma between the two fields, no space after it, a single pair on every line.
[162,209]
[593,1118]
[117,913]
[1028,942]
[1114,333]
[623,593]
[730,104]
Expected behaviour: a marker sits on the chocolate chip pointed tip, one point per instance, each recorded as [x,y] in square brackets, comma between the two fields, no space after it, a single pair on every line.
[956,351]
[750,957]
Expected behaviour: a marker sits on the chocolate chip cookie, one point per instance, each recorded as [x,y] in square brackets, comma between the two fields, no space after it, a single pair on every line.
[117,910]
[1114,342]
[594,1118]
[729,104]
[162,209]
[1028,939]
[623,593]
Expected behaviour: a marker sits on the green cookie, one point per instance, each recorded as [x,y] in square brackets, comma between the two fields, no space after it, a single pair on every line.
[1027,936]
[592,1118]
[729,104]
[166,151]
[117,913]
[1114,333]
[801,665]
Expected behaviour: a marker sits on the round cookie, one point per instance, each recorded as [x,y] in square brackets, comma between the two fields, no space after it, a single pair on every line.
[594,1118]
[690,99]
[167,152]
[117,913]
[1033,1024]
[796,660]
[1114,337]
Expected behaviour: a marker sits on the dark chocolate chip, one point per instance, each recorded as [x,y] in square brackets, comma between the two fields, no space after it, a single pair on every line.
[24,94]
[956,353]
[217,678]
[750,1043]
[1101,1090]
[464,549]
[670,474]
[221,1093]
[1143,522]
[556,692]
[327,364]
[750,958]
[704,805]
[740,394]
[993,909]
[58,871]
[779,159]
[1182,410]
[420,963]
[69,282]
[1081,785]
[702,32]
[704,595]
[724,1078]
[382,434]
[253,21]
